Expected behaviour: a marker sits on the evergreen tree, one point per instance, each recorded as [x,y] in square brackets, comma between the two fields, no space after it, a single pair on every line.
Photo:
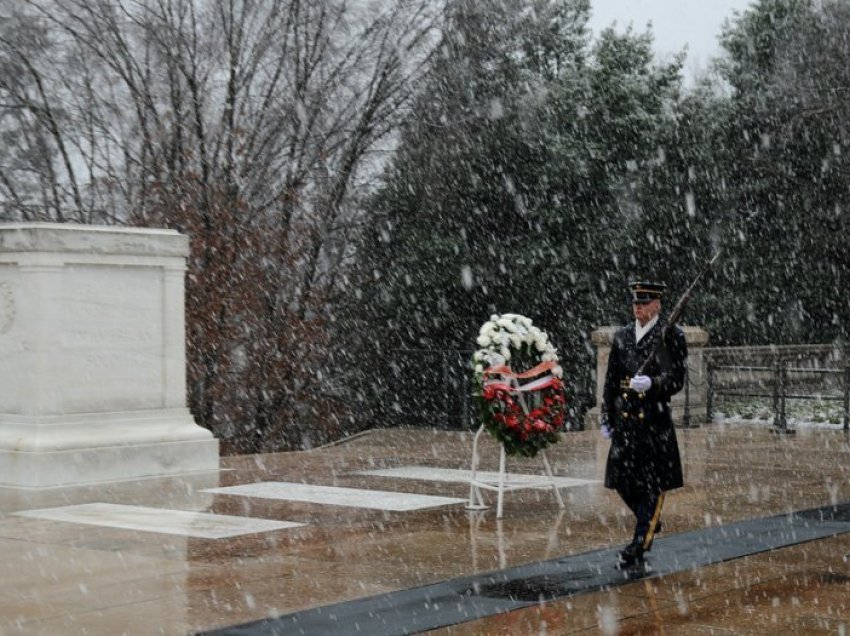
[457,236]
[511,188]
[788,131]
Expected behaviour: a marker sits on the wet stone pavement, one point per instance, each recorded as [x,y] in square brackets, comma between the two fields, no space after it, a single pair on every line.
[372,536]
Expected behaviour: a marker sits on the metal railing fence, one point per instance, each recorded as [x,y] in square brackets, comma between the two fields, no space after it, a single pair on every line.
[779,382]
[434,388]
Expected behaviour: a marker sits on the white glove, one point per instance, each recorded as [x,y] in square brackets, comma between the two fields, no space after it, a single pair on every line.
[606,431]
[640,383]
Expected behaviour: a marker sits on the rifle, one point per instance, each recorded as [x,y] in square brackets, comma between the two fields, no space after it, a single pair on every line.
[677,312]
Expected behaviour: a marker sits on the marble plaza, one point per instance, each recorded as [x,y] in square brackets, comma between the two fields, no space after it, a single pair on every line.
[290,537]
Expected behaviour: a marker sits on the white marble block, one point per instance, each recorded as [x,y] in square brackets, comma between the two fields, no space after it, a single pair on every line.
[92,356]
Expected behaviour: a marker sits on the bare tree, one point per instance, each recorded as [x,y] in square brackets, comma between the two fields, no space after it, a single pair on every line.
[253,126]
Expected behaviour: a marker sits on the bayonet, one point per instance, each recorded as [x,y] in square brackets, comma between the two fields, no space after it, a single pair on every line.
[678,310]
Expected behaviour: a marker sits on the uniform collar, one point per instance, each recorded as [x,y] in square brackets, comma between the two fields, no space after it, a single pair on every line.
[640,332]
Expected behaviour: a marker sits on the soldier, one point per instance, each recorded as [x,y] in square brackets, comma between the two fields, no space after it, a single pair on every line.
[643,461]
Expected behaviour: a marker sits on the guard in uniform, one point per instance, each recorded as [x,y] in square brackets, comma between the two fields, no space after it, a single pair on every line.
[643,461]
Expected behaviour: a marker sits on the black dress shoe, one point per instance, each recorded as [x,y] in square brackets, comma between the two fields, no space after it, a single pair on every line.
[630,556]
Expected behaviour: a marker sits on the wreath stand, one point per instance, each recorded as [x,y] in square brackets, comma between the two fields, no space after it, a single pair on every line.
[476,500]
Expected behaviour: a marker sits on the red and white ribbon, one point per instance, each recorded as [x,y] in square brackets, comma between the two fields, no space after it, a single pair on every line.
[508,374]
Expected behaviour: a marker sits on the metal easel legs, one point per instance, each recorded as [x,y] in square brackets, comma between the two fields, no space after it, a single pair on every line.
[476,499]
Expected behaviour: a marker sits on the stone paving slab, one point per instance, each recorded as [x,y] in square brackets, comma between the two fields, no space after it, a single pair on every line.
[146,519]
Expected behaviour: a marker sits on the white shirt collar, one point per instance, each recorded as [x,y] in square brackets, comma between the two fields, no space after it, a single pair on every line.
[640,332]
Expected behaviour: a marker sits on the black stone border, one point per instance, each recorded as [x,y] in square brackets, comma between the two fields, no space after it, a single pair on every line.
[472,597]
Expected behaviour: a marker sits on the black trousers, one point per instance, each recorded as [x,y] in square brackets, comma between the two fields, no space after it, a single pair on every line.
[646,507]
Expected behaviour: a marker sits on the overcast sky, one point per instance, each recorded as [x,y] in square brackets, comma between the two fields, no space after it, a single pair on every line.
[675,23]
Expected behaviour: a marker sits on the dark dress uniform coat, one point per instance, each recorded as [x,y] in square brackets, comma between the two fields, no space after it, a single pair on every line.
[644,453]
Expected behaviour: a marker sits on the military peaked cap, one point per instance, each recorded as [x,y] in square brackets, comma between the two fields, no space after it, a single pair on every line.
[645,291]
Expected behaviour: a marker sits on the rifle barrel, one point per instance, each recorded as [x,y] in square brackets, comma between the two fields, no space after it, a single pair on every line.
[678,310]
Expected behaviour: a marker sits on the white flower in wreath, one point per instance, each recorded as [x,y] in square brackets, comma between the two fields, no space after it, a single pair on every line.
[517,318]
[494,360]
[512,326]
[502,333]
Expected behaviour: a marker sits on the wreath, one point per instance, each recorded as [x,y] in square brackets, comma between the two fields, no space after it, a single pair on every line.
[528,417]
